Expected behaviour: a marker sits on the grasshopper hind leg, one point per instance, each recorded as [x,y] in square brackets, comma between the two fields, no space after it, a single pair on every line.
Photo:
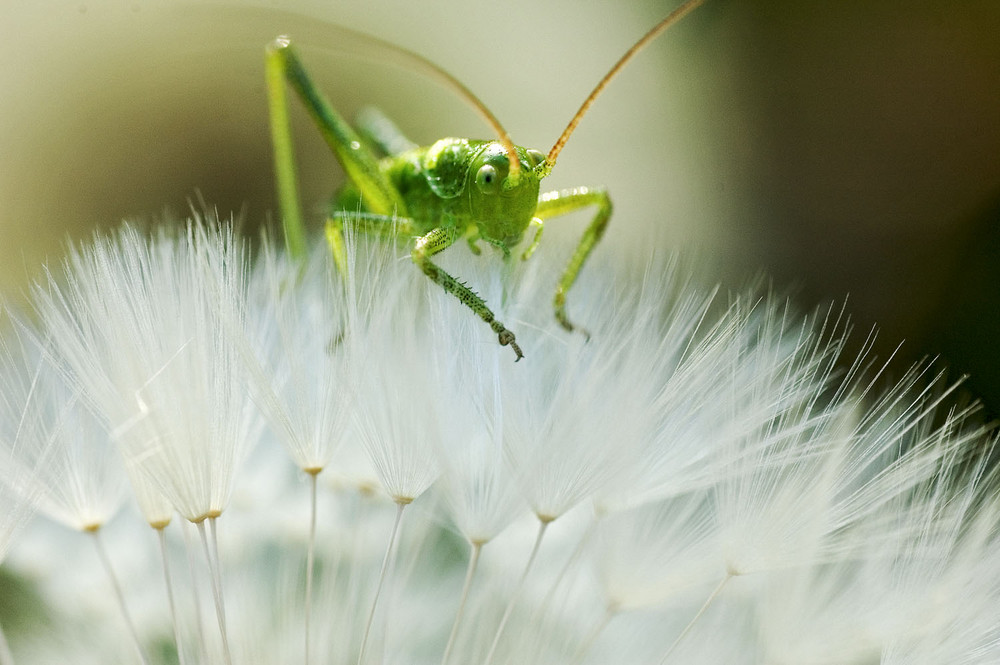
[283,67]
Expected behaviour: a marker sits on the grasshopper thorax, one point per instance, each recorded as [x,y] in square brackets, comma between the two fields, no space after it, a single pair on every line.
[501,205]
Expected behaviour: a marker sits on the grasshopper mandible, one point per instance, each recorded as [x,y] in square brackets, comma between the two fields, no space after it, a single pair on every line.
[480,190]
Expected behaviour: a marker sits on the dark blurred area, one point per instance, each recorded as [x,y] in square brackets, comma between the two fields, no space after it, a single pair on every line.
[876,167]
[846,150]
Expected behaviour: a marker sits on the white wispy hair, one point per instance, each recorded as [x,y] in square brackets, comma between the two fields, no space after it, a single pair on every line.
[387,365]
[729,487]
[660,550]
[916,589]
[18,490]
[302,383]
[476,483]
[155,332]
[15,510]
[610,391]
[57,448]
[573,425]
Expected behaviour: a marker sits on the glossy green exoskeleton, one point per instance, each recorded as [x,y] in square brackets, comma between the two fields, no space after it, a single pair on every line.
[456,188]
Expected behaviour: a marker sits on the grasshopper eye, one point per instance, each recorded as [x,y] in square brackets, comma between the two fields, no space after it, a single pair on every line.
[487,179]
[535,157]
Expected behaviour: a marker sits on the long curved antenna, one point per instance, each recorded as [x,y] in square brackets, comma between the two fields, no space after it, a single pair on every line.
[673,17]
[410,61]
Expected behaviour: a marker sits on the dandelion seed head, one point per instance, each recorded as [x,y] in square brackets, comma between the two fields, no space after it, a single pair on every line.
[715,481]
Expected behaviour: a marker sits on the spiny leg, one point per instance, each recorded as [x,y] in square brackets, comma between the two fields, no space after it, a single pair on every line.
[436,241]
[283,64]
[552,204]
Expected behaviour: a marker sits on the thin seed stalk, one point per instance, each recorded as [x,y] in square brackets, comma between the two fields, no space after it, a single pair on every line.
[390,548]
[119,595]
[211,556]
[687,629]
[310,558]
[543,525]
[477,547]
[162,538]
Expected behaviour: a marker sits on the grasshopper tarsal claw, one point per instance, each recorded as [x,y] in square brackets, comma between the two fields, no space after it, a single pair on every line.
[568,325]
[507,339]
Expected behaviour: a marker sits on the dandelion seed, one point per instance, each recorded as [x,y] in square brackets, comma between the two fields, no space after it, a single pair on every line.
[79,475]
[155,332]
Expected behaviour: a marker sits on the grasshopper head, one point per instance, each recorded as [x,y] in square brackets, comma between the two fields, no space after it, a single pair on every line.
[502,205]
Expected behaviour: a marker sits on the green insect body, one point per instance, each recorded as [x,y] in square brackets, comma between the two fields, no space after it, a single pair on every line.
[456,188]
[456,185]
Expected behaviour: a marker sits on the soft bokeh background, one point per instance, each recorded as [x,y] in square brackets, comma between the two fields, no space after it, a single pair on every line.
[847,149]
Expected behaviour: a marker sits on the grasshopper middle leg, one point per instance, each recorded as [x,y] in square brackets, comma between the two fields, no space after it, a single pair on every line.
[552,204]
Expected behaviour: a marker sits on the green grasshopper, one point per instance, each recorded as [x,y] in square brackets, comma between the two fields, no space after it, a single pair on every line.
[456,188]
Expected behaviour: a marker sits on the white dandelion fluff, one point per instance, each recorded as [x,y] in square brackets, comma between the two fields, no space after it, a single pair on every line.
[715,482]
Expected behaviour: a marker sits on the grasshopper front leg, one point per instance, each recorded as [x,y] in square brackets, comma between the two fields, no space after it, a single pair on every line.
[437,241]
[367,222]
[552,204]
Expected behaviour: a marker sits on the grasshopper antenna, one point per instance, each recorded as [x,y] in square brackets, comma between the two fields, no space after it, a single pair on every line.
[412,61]
[673,17]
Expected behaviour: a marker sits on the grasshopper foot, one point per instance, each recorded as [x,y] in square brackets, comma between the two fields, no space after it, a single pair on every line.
[507,339]
[568,325]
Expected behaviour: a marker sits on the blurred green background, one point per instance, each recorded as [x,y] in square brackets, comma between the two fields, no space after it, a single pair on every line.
[844,149]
